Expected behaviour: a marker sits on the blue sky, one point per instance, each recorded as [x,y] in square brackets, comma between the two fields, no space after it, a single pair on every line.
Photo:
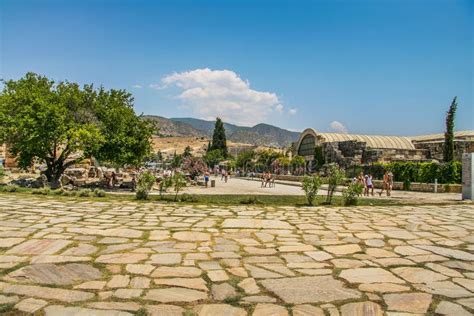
[374,66]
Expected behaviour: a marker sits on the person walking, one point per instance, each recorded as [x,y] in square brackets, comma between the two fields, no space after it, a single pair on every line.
[370,185]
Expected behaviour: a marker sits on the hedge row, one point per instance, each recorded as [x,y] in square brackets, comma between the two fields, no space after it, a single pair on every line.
[424,172]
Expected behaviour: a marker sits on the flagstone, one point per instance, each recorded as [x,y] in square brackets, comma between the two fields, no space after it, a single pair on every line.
[175,294]
[469,302]
[408,302]
[191,283]
[91,285]
[9,242]
[144,269]
[8,299]
[343,249]
[54,274]
[39,247]
[383,287]
[222,291]
[449,308]
[68,296]
[183,272]
[263,309]
[418,275]
[445,288]
[118,281]
[122,258]
[361,309]
[219,309]
[164,310]
[249,286]
[255,223]
[56,310]
[310,289]
[166,259]
[128,293]
[307,310]
[192,236]
[319,255]
[447,252]
[58,259]
[217,275]
[410,251]
[444,270]
[467,283]
[30,305]
[81,250]
[125,306]
[369,275]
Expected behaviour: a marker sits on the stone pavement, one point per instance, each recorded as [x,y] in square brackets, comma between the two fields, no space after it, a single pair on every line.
[79,257]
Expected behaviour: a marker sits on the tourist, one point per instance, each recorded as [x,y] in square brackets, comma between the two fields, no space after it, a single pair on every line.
[385,184]
[206,178]
[226,176]
[370,184]
[390,183]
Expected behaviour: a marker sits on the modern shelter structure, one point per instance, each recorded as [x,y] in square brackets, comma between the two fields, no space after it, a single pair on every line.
[355,149]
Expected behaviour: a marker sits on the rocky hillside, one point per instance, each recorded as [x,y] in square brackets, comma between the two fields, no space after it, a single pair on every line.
[260,135]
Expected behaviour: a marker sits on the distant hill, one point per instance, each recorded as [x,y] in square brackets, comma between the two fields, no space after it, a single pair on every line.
[260,134]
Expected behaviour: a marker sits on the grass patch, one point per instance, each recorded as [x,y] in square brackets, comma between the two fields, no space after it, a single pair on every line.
[5,308]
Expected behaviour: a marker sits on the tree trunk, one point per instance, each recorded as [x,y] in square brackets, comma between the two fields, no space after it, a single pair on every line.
[54,172]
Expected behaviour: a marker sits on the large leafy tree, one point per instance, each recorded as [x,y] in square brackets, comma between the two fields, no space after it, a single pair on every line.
[449,134]
[219,140]
[61,124]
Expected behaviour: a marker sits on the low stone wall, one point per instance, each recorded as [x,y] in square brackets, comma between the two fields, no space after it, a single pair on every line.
[415,186]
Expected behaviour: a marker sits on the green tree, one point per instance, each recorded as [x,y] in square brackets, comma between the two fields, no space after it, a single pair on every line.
[244,159]
[61,124]
[311,185]
[187,152]
[145,183]
[176,161]
[335,178]
[213,157]
[449,134]
[219,140]
[179,182]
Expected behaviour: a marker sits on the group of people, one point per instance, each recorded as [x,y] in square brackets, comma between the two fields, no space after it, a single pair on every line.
[268,179]
[367,182]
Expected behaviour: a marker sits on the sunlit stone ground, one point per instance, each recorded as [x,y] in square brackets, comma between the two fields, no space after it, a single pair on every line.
[77,257]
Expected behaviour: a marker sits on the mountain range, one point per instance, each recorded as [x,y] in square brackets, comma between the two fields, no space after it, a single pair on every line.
[260,134]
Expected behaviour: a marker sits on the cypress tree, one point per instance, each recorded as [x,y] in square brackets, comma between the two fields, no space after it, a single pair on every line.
[449,134]
[218,138]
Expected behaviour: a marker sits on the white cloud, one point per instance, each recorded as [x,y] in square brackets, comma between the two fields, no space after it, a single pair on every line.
[210,93]
[137,86]
[338,127]
[292,111]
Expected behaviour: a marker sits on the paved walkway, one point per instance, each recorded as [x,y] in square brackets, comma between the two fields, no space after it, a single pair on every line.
[81,257]
[251,187]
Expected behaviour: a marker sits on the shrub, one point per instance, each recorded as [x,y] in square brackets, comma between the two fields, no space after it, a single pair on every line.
[250,200]
[165,183]
[311,185]
[41,191]
[350,195]
[10,188]
[2,172]
[335,178]
[188,198]
[84,193]
[99,193]
[179,182]
[144,185]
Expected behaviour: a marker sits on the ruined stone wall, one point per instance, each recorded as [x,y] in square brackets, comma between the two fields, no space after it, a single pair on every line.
[435,149]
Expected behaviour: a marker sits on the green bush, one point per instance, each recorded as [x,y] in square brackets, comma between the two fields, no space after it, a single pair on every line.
[179,182]
[145,183]
[99,193]
[185,197]
[2,172]
[335,178]
[10,188]
[250,200]
[424,172]
[41,191]
[84,193]
[311,185]
[351,194]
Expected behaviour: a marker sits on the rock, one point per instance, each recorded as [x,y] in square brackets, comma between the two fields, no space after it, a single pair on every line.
[307,310]
[164,310]
[54,274]
[311,289]
[361,309]
[191,283]
[249,286]
[383,287]
[166,259]
[175,294]
[217,275]
[126,306]
[144,269]
[56,310]
[222,291]
[219,309]
[418,275]
[192,236]
[68,296]
[408,302]
[343,249]
[369,275]
[255,223]
[30,305]
[269,309]
[39,247]
[448,308]
[122,258]
[184,272]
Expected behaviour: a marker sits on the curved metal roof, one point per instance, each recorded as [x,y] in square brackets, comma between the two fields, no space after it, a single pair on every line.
[467,135]
[372,141]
